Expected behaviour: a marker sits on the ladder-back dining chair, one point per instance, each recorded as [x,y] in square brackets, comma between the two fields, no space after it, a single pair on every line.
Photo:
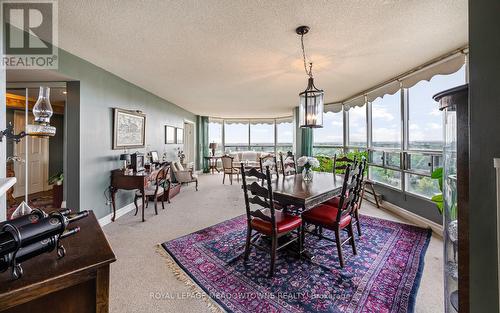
[266,220]
[337,218]
[288,165]
[270,161]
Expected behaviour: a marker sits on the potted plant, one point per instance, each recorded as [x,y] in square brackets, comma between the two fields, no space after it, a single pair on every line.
[307,163]
[56,179]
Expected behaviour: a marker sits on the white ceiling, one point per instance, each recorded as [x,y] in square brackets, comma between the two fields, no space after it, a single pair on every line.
[240,58]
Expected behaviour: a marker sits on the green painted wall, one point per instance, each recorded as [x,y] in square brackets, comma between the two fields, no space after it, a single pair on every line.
[92,118]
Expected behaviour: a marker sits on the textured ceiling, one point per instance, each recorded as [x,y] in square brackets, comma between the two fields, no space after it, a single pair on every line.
[240,58]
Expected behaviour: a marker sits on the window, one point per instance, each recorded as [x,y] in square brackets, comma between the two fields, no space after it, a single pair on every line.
[357,126]
[329,139]
[235,135]
[385,176]
[386,121]
[284,135]
[262,136]
[425,125]
[215,134]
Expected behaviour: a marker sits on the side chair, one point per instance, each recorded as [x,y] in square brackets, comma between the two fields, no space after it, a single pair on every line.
[266,220]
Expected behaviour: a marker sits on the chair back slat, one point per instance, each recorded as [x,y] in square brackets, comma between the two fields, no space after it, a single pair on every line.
[258,201]
[258,190]
[262,196]
[253,172]
[262,216]
[340,163]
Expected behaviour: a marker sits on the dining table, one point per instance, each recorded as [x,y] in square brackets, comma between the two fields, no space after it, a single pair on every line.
[293,190]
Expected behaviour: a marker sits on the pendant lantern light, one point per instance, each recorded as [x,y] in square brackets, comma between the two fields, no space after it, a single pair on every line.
[312,99]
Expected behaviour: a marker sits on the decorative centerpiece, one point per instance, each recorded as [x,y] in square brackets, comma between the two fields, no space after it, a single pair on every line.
[307,163]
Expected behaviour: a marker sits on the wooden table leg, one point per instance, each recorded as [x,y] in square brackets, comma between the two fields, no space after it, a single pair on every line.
[102,290]
[113,203]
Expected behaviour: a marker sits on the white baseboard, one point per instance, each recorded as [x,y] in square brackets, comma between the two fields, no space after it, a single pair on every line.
[414,218]
[119,213]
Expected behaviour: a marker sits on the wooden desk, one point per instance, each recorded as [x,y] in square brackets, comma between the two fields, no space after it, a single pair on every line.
[77,283]
[133,181]
[212,163]
[293,190]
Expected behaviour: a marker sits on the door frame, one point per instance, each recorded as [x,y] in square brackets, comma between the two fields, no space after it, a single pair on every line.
[193,138]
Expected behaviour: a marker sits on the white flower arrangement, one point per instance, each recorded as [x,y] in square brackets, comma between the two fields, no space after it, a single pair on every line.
[307,162]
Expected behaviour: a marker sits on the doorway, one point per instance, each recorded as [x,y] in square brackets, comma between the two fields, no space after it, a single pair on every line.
[37,163]
[189,142]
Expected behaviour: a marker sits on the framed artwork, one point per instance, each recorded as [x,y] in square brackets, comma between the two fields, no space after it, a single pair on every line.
[129,129]
[169,134]
[180,136]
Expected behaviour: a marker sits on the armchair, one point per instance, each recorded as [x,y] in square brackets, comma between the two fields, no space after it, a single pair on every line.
[183,175]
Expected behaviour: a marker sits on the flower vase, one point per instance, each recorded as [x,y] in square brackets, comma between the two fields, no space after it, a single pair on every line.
[307,174]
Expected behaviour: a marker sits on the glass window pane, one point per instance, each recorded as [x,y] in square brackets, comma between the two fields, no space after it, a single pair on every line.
[385,176]
[420,163]
[393,159]
[262,134]
[328,151]
[386,121]
[422,185]
[236,133]
[215,134]
[284,129]
[425,126]
[332,133]
[377,157]
[357,127]
[284,148]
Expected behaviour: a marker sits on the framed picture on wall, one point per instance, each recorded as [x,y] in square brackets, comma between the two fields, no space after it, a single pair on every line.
[129,129]
[169,134]
[180,136]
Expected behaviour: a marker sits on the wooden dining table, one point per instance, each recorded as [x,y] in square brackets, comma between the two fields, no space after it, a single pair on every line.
[293,190]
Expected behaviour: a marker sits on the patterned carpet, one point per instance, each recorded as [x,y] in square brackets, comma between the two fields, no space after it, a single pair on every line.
[383,277]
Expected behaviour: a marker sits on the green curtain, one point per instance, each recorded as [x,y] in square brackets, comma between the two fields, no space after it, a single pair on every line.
[202,142]
[306,142]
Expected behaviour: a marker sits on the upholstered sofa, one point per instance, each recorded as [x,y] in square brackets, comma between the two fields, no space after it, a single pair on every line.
[248,157]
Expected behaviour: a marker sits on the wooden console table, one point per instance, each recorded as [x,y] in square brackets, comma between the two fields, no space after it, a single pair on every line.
[212,163]
[77,283]
[133,181]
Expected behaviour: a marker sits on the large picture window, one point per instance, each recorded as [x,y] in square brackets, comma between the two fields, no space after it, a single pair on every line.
[262,135]
[329,138]
[425,121]
[357,127]
[215,133]
[236,135]
[386,121]
[284,135]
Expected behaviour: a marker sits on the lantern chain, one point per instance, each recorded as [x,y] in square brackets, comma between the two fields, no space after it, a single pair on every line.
[308,72]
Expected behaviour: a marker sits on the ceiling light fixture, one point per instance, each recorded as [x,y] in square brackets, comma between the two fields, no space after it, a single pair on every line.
[311,99]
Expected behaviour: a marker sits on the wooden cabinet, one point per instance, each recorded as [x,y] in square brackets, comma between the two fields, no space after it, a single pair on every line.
[79,282]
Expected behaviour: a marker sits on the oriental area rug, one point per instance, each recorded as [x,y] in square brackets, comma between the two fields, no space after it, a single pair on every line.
[383,277]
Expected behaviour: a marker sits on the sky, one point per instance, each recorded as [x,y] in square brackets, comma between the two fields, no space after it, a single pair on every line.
[425,120]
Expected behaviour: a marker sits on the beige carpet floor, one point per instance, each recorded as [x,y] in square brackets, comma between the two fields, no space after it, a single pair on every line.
[142,282]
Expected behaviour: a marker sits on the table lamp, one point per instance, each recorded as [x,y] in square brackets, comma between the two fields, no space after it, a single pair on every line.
[213,146]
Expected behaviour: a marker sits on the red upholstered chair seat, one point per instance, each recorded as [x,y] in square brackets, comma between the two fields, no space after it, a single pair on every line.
[325,215]
[284,223]
[333,202]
